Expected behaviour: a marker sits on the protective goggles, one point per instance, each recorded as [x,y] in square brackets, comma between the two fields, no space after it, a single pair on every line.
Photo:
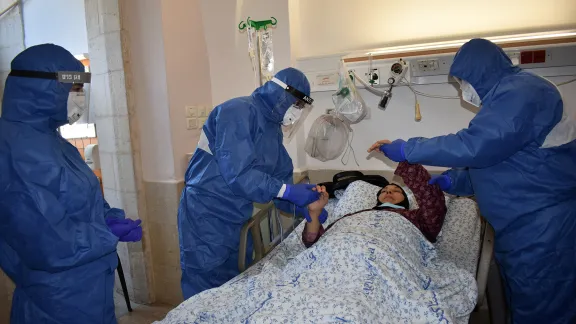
[63,77]
[79,97]
[303,99]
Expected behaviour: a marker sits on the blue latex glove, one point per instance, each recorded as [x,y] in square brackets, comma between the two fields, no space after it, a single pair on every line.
[301,194]
[443,181]
[304,212]
[395,150]
[134,235]
[121,227]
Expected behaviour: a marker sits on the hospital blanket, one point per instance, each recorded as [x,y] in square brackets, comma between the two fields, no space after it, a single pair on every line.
[373,267]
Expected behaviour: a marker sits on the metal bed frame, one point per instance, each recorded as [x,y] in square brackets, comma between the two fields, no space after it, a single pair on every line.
[261,249]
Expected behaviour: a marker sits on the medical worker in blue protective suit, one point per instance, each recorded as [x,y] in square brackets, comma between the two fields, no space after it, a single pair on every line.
[240,159]
[57,234]
[518,157]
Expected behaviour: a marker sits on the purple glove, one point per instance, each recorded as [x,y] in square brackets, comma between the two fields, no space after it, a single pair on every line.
[135,235]
[121,227]
[301,194]
[304,212]
[395,150]
[443,181]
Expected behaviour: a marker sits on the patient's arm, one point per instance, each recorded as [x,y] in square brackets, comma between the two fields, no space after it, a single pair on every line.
[429,216]
[314,229]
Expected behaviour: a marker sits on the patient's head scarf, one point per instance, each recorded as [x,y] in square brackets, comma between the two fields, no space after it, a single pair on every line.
[404,203]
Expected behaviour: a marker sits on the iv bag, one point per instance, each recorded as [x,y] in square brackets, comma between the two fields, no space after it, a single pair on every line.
[266,55]
[347,101]
[251,32]
[327,138]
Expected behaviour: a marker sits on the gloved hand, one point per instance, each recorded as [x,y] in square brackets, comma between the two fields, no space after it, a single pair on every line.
[443,181]
[306,213]
[134,235]
[395,150]
[301,194]
[121,227]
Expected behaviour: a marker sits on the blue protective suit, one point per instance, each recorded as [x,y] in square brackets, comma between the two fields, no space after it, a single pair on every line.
[54,243]
[528,194]
[240,159]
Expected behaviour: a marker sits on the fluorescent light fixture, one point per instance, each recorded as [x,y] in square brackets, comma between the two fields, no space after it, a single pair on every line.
[458,43]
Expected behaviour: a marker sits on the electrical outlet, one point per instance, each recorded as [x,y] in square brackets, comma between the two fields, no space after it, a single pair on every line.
[191,123]
[326,79]
[514,57]
[428,65]
[202,111]
[202,121]
[191,111]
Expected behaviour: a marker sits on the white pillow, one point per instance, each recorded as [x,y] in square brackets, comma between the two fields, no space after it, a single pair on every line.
[460,241]
[359,195]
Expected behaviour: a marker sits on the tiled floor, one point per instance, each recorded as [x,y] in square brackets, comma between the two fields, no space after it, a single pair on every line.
[141,314]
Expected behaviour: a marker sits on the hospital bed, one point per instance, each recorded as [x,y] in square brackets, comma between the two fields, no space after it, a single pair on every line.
[466,242]
[269,228]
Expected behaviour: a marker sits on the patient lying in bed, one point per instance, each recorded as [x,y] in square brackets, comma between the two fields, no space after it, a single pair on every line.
[374,266]
[428,218]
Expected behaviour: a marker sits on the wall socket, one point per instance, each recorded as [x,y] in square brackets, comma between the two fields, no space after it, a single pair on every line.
[428,65]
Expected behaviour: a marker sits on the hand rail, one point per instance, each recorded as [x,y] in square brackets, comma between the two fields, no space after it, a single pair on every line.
[486,253]
[253,225]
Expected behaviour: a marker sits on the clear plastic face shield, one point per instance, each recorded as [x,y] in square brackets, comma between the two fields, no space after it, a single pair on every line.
[468,93]
[79,95]
[295,115]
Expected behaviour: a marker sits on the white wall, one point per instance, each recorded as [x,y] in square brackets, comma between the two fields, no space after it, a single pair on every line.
[187,73]
[230,68]
[60,22]
[439,117]
[320,27]
[147,58]
[333,26]
[170,69]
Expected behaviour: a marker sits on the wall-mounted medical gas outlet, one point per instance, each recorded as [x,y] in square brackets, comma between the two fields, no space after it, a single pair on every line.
[397,72]
[373,77]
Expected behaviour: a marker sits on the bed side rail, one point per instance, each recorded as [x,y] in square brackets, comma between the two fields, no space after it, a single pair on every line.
[486,253]
[253,225]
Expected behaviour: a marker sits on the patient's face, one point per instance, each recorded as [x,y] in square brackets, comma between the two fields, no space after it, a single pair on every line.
[391,194]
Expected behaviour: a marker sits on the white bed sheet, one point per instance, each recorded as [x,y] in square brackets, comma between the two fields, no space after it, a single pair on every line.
[400,279]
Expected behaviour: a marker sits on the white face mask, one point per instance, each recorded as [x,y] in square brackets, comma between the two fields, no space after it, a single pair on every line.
[469,94]
[391,206]
[76,106]
[291,116]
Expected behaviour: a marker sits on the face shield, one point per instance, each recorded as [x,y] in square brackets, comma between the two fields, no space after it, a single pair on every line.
[295,115]
[468,93]
[79,94]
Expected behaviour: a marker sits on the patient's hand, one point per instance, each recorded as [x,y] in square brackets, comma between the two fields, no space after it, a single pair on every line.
[316,207]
